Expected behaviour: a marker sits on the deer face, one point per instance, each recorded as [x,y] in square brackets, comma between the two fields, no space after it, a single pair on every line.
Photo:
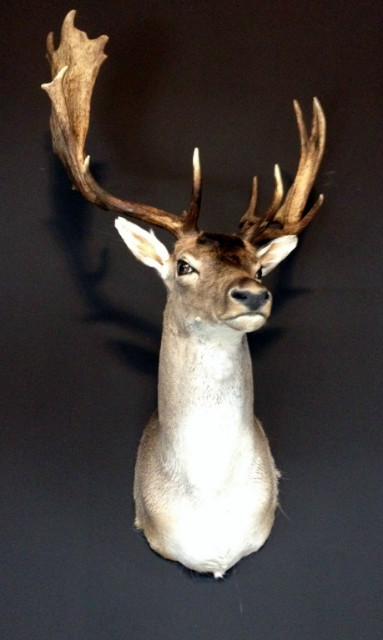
[212,278]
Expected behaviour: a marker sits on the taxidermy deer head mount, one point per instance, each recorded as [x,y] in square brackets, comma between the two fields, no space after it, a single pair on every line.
[205,485]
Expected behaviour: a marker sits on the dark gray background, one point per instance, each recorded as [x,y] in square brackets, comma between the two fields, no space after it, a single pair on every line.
[81,319]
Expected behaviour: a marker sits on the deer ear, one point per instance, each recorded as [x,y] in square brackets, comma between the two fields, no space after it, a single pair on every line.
[275,251]
[144,246]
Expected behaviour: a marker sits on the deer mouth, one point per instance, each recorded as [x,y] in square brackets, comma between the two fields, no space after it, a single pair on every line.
[250,313]
[247,321]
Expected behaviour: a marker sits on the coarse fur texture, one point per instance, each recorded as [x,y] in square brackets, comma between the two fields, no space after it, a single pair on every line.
[205,483]
[206,487]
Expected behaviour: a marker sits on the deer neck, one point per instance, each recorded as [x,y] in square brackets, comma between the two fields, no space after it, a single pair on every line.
[205,378]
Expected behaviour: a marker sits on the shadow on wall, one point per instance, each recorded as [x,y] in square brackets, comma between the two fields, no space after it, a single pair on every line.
[71,227]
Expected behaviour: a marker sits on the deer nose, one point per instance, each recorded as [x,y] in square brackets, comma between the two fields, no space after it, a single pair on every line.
[253,301]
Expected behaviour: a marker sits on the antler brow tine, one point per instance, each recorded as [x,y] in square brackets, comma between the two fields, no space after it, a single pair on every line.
[74,67]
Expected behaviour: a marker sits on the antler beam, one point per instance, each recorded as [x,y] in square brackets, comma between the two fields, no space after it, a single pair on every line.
[287,218]
[74,67]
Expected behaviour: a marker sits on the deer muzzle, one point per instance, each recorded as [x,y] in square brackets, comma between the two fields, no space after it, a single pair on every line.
[253,301]
[248,305]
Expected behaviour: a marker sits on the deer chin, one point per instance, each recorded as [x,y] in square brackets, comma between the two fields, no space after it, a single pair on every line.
[247,322]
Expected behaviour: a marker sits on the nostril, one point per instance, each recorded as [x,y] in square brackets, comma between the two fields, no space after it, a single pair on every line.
[250,299]
[240,295]
[265,295]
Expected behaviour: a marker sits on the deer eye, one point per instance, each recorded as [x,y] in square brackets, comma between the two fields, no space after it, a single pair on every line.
[183,268]
[258,275]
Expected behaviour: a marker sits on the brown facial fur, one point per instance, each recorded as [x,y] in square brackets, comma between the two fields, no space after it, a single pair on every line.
[222,262]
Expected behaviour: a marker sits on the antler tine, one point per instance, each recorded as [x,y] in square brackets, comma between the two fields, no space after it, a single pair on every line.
[287,218]
[312,149]
[250,223]
[75,65]
[250,213]
[276,201]
[191,216]
[250,217]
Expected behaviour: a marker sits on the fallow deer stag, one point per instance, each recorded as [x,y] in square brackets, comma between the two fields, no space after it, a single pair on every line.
[206,487]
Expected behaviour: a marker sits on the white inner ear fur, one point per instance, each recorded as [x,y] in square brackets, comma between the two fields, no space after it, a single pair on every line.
[143,244]
[275,251]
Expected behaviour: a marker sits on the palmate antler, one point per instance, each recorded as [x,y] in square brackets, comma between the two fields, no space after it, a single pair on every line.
[75,65]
